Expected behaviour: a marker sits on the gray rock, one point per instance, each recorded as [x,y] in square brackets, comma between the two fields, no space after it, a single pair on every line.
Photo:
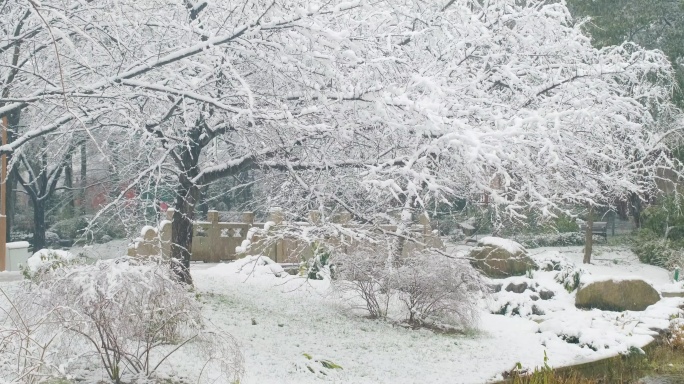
[516,288]
[537,311]
[546,294]
[623,295]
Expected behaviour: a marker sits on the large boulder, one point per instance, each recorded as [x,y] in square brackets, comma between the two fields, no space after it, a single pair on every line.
[617,295]
[500,258]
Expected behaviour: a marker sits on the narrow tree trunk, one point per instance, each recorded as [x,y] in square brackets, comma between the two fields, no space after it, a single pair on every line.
[84,176]
[636,209]
[69,184]
[403,230]
[38,225]
[588,237]
[10,200]
[203,206]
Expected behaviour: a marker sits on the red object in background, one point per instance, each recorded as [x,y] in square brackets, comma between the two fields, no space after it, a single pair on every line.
[163,206]
[99,196]
[130,194]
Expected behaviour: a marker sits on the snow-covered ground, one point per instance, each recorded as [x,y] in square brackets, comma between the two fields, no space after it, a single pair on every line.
[295,318]
[290,329]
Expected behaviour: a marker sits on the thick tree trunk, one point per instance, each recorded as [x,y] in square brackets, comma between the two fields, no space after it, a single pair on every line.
[187,198]
[181,233]
[622,210]
[38,225]
[588,236]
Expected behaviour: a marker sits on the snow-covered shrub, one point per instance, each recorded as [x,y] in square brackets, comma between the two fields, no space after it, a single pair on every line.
[551,240]
[432,286]
[567,274]
[652,249]
[552,261]
[457,235]
[566,224]
[570,276]
[130,315]
[317,267]
[255,265]
[364,275]
[427,286]
[51,238]
[47,260]
[71,228]
[665,220]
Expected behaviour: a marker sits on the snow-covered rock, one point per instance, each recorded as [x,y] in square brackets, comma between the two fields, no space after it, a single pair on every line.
[498,258]
[613,294]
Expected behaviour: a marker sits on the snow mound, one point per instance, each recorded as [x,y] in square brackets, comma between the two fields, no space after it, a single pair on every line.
[46,258]
[250,266]
[509,245]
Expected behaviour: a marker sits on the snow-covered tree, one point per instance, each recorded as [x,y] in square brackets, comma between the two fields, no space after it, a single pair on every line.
[511,100]
[364,106]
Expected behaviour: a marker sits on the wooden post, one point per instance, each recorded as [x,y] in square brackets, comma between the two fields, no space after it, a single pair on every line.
[3,198]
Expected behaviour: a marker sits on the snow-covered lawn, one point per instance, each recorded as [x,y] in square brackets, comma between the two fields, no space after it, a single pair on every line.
[293,330]
[279,322]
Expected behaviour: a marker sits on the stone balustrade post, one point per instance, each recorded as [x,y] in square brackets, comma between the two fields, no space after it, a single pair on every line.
[315,217]
[424,220]
[277,215]
[344,217]
[214,233]
[248,218]
[213,217]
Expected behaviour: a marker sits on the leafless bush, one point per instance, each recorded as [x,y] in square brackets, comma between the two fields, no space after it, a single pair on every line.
[363,274]
[432,286]
[131,315]
[427,284]
[28,343]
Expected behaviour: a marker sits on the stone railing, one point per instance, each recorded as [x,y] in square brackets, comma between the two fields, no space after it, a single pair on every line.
[215,241]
